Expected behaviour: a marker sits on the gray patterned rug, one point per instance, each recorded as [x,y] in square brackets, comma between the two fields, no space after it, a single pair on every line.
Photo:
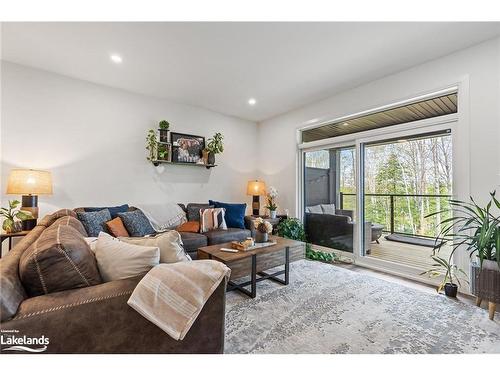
[327,309]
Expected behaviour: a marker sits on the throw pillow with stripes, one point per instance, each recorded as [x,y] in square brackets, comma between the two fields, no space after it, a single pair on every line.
[212,218]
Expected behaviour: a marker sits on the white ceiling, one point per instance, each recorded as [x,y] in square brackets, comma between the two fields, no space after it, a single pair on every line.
[219,66]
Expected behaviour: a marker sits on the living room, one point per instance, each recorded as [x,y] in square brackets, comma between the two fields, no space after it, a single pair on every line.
[197,187]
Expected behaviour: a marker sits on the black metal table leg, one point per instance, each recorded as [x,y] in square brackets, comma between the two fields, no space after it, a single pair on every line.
[253,291]
[287,265]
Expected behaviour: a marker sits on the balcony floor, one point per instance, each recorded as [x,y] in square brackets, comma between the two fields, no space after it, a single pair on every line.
[402,253]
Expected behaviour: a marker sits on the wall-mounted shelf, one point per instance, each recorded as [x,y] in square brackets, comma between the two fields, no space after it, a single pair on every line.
[158,162]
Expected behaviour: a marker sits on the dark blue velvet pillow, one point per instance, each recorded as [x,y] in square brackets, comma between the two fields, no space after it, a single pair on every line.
[113,211]
[137,223]
[235,213]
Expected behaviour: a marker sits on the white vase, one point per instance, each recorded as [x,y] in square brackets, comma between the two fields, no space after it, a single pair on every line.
[272,214]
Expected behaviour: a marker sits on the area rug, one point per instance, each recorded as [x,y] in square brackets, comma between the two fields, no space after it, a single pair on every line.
[328,309]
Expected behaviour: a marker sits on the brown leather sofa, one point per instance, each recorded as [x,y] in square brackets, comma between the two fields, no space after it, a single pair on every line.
[96,319]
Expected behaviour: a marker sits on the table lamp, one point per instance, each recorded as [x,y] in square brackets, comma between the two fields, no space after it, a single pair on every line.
[29,183]
[256,188]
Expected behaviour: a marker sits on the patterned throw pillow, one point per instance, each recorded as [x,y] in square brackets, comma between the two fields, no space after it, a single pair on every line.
[194,209]
[137,223]
[212,218]
[94,222]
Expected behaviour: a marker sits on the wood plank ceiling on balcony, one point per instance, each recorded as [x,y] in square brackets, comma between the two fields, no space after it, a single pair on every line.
[429,108]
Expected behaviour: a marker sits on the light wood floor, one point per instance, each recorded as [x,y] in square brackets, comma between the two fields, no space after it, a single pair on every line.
[402,253]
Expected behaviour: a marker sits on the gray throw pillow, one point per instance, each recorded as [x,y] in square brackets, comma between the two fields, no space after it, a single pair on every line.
[94,222]
[137,223]
[193,210]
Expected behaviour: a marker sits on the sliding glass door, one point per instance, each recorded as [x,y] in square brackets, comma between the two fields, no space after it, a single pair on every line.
[330,197]
[404,180]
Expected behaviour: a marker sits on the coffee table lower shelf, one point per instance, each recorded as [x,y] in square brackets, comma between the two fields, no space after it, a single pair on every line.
[231,285]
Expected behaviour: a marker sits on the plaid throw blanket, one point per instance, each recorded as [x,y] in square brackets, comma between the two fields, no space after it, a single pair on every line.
[172,295]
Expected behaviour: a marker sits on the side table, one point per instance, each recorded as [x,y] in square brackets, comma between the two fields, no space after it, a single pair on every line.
[10,236]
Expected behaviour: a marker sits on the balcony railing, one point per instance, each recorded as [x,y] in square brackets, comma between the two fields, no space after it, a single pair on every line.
[392,198]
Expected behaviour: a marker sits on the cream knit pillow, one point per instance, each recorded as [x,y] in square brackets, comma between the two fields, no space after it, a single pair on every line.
[169,243]
[120,260]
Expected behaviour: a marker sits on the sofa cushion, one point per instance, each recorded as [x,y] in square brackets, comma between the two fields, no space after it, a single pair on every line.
[193,210]
[218,236]
[314,209]
[137,223]
[94,222]
[235,213]
[116,228]
[169,243]
[113,211]
[192,241]
[328,209]
[59,259]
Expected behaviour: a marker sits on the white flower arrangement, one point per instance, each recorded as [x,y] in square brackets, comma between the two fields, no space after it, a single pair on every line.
[262,225]
[272,194]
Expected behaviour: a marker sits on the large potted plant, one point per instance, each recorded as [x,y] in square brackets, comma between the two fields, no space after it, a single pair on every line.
[214,146]
[476,229]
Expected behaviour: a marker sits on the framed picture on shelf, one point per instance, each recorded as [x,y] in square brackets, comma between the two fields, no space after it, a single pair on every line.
[187,148]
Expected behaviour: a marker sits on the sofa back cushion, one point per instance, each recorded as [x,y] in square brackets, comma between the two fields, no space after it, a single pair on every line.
[59,259]
[193,210]
[113,211]
[72,222]
[314,209]
[234,213]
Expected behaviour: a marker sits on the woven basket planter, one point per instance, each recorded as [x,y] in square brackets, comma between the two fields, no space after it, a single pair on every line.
[486,281]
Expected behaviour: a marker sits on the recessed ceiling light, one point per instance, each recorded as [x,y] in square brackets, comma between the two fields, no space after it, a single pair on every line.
[252,101]
[117,59]
[345,124]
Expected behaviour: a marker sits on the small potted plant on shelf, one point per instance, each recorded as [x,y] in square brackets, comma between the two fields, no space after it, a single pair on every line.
[262,230]
[476,229]
[163,129]
[152,145]
[163,152]
[449,272]
[214,146]
[272,194]
[13,216]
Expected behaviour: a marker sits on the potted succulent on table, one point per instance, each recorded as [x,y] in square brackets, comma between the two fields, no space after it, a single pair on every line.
[450,273]
[163,129]
[214,146]
[262,230]
[476,229]
[13,216]
[272,194]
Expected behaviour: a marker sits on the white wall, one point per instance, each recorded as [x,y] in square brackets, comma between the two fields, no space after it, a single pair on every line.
[479,65]
[92,138]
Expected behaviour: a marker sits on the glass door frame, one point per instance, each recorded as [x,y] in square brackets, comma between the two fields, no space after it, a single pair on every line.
[442,123]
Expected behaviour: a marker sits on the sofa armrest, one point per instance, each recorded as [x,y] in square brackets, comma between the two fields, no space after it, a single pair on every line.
[97,319]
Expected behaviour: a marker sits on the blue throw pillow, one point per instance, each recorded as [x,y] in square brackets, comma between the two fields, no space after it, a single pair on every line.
[114,211]
[137,223]
[235,213]
[94,222]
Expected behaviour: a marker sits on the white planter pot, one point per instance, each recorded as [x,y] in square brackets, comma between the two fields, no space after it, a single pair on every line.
[272,214]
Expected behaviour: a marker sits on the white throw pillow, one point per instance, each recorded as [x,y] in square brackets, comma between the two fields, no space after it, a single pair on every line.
[120,260]
[328,209]
[169,243]
[91,241]
[314,209]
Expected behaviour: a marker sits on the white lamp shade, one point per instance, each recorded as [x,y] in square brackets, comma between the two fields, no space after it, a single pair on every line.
[29,181]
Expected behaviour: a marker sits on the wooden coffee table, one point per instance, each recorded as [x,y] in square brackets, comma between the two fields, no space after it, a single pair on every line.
[253,263]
